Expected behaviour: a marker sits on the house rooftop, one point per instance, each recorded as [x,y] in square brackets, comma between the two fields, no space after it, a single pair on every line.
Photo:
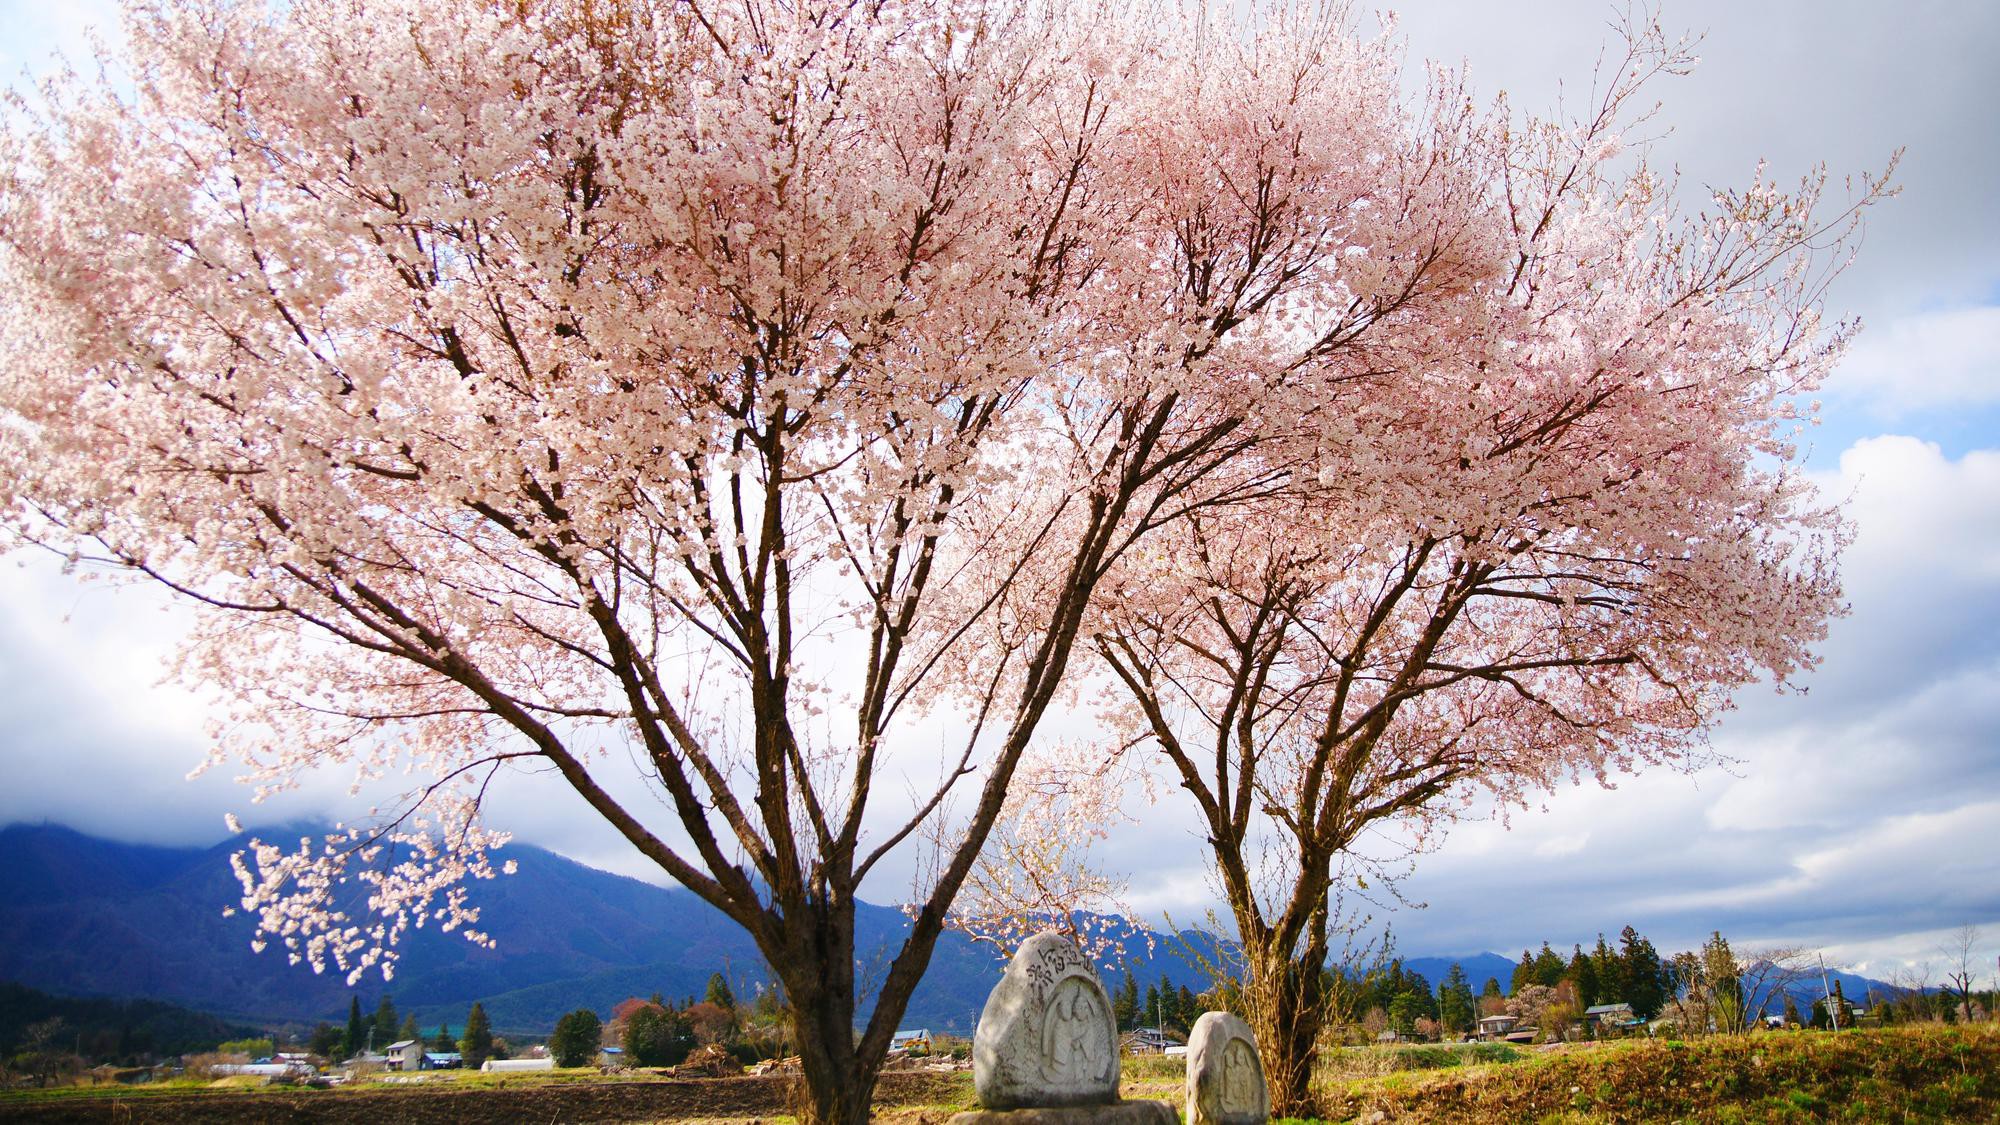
[400,1044]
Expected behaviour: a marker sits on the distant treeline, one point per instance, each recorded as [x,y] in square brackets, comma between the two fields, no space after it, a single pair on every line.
[131,1032]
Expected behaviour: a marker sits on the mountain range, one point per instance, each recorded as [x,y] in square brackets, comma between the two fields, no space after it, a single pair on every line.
[86,916]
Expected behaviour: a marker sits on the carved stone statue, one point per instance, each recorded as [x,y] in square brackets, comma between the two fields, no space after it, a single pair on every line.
[1046,1049]
[1225,1079]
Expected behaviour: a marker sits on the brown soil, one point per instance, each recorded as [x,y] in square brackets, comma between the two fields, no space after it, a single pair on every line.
[911,1096]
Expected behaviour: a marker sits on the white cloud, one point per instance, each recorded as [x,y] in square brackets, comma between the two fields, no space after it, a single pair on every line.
[1924,361]
[1559,846]
[1855,816]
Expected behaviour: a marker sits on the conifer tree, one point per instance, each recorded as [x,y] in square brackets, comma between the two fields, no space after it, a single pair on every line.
[357,1029]
[385,1023]
[1125,1006]
[477,1043]
[325,1041]
[1549,967]
[444,1041]
[1642,974]
[1455,1008]
[1524,974]
[719,994]
[1583,974]
[1610,972]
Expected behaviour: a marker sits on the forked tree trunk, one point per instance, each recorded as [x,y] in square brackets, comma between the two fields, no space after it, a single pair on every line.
[839,1086]
[1287,1011]
[839,1079]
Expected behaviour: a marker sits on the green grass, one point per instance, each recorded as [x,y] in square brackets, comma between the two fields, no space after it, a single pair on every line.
[1901,1074]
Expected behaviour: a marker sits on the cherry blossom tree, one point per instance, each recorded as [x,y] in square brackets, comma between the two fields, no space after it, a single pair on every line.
[1037,872]
[1547,536]
[685,400]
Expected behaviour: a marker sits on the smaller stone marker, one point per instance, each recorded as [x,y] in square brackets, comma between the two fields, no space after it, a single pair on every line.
[1046,1049]
[1225,1078]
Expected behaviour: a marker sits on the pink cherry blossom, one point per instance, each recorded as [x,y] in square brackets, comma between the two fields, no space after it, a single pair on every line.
[712,393]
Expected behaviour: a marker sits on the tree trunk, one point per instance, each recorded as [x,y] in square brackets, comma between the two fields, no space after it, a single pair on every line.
[835,1094]
[839,1080]
[1287,1009]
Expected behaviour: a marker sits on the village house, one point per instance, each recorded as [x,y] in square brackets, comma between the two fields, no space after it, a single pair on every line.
[406,1054]
[1147,1041]
[1613,1017]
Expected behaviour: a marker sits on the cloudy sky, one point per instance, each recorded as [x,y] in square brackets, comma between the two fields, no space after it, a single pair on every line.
[1859,817]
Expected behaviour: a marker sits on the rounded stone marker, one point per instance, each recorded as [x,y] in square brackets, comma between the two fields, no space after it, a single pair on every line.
[1046,1037]
[1225,1078]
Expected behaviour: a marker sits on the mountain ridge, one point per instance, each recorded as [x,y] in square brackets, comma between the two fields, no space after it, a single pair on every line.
[84,916]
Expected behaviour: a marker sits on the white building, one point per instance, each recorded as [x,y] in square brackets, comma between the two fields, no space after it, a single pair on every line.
[518,1064]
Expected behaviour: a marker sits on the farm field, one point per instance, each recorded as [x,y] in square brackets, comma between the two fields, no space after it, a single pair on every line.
[1922,1074]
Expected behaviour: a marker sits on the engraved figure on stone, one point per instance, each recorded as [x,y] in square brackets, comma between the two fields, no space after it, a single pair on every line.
[1239,1078]
[1071,1035]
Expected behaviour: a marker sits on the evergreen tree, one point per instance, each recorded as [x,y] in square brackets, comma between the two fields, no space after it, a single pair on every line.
[325,1040]
[574,1042]
[409,1028]
[1455,1010]
[1403,1012]
[1583,975]
[1610,972]
[1186,1007]
[1524,974]
[385,1023]
[1150,1014]
[1644,981]
[1792,1017]
[477,1042]
[1492,988]
[719,994]
[1125,1005]
[357,1029]
[444,1041]
[1724,981]
[1549,967]
[1419,986]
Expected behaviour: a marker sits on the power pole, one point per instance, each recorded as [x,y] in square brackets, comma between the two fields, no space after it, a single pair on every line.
[1832,1012]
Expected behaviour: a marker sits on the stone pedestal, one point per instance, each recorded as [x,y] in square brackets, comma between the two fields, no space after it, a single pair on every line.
[1225,1078]
[1116,1113]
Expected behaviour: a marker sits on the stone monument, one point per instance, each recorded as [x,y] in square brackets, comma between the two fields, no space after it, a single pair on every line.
[1225,1078]
[1046,1049]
